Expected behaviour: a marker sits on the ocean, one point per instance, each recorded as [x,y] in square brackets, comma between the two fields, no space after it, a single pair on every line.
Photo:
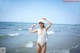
[62,38]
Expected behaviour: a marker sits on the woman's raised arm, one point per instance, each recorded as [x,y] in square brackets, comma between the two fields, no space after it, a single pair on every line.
[31,29]
[49,23]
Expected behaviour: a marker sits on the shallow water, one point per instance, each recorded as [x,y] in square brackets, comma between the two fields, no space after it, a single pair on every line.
[62,38]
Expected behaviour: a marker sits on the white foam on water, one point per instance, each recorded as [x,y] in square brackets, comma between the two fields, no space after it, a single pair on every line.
[15,34]
[19,29]
[59,51]
[17,51]
[64,51]
[50,32]
[29,44]
[2,49]
[74,47]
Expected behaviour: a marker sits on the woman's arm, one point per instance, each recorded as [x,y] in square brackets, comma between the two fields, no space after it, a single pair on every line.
[31,29]
[49,23]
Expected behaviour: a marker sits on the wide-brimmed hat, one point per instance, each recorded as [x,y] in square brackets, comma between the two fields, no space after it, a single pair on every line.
[41,20]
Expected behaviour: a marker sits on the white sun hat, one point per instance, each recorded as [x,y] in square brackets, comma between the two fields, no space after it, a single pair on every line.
[41,20]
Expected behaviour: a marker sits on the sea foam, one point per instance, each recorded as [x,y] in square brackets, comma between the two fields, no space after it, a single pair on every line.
[15,34]
[29,44]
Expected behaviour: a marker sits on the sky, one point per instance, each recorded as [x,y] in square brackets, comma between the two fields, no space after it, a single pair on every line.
[57,11]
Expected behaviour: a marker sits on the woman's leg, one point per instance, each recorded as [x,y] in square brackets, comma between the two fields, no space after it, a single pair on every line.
[44,48]
[38,47]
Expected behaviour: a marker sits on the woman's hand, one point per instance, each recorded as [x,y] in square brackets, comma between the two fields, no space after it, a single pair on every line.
[49,23]
[34,25]
[44,18]
[31,29]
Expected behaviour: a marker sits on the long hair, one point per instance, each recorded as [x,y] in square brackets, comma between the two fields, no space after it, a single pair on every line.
[43,25]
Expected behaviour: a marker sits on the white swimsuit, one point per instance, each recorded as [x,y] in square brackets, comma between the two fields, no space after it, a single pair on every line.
[42,38]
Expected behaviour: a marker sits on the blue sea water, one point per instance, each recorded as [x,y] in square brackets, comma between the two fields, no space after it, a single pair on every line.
[62,38]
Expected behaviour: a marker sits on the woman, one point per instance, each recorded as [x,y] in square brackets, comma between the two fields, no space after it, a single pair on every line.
[42,35]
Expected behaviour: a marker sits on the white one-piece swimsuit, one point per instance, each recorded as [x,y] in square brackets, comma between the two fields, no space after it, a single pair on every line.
[42,38]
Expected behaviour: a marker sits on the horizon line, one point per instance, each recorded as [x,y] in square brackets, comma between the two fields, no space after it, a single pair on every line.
[36,22]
